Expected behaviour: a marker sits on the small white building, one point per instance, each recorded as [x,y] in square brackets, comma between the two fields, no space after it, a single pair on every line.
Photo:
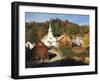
[78,41]
[29,45]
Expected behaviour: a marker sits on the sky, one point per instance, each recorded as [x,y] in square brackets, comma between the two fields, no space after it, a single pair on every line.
[42,17]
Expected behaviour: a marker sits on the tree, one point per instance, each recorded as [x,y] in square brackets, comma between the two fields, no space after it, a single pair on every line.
[86,40]
[40,33]
[84,29]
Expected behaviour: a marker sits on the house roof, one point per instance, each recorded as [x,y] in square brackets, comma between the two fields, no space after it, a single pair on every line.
[64,38]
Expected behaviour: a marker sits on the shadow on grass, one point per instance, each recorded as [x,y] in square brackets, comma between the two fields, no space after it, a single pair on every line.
[68,62]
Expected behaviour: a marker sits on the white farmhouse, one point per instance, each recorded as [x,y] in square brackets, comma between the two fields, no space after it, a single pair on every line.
[78,41]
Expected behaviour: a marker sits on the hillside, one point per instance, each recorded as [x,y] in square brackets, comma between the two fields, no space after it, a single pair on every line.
[36,30]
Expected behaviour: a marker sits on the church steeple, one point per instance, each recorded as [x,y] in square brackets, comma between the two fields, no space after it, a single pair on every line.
[50,30]
[49,40]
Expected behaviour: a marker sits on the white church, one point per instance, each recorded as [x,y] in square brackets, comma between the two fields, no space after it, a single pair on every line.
[49,40]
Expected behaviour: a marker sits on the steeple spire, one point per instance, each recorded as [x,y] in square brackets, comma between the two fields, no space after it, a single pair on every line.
[50,30]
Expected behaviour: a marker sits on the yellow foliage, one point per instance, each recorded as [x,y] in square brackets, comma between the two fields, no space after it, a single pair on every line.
[86,40]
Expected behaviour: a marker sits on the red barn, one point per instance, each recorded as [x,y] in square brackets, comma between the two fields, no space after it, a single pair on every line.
[40,51]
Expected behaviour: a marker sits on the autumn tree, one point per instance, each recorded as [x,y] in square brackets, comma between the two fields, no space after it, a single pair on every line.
[86,40]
